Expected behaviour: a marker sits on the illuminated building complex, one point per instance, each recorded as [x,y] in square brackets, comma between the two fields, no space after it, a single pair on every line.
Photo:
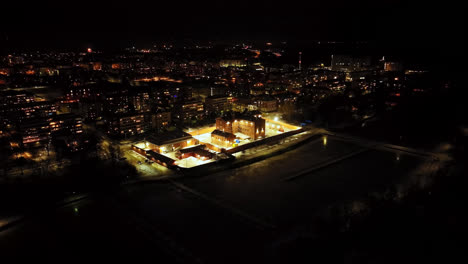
[251,126]
[170,141]
[220,138]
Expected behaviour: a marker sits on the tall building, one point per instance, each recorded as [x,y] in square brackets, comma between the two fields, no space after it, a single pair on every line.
[218,103]
[300,60]
[348,63]
[66,124]
[34,132]
[8,98]
[24,111]
[189,109]
[160,120]
[393,66]
[127,124]
[141,101]
[242,104]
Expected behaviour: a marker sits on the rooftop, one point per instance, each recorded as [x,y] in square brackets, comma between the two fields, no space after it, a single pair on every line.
[169,137]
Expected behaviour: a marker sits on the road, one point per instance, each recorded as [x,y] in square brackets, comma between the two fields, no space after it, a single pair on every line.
[145,169]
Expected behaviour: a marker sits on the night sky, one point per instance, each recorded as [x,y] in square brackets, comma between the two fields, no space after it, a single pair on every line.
[116,23]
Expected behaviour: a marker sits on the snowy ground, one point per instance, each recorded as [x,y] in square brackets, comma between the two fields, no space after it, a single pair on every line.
[187,162]
[191,162]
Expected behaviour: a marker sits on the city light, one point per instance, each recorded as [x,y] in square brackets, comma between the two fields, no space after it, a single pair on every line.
[179,120]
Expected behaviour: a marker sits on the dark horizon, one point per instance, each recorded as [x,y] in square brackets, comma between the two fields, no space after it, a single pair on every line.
[103,25]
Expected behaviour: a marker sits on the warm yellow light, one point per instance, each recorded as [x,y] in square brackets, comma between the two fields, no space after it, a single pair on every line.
[324,140]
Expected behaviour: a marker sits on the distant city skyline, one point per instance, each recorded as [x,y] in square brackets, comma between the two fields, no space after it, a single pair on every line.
[112,24]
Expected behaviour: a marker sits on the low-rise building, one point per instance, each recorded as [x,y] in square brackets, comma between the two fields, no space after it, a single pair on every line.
[221,138]
[170,141]
[198,152]
[250,125]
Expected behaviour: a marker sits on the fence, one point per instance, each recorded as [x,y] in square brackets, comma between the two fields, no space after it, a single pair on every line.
[264,141]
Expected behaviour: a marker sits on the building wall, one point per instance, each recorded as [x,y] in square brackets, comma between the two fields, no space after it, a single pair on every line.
[348,63]
[393,66]
[222,141]
[253,128]
[189,110]
[127,125]
[224,125]
[172,146]
[267,106]
[232,63]
[35,133]
[69,125]
[218,104]
[160,120]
